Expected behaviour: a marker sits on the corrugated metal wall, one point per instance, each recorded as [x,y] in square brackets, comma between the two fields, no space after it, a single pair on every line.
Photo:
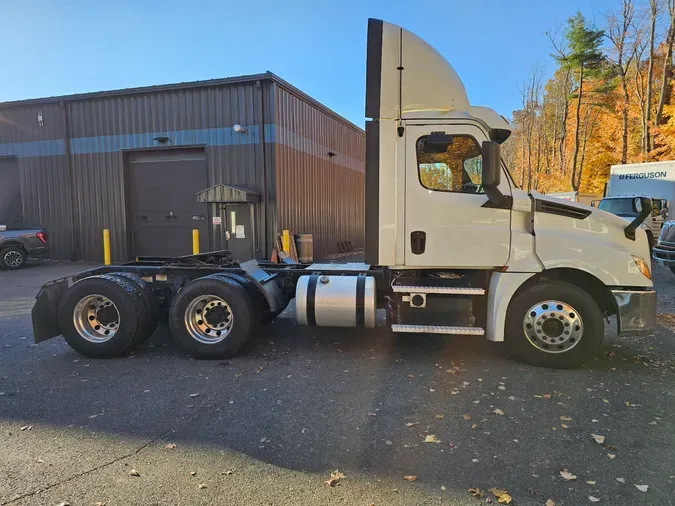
[101,128]
[318,193]
[72,159]
[45,179]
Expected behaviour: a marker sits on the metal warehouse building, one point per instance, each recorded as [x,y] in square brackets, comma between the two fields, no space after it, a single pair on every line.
[240,159]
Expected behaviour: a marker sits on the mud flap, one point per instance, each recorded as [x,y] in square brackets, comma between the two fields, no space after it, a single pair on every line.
[45,312]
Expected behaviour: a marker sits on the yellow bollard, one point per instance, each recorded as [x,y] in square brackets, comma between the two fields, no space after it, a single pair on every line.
[195,241]
[106,246]
[286,241]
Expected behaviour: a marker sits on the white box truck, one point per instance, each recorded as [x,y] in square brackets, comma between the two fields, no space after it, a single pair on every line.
[453,247]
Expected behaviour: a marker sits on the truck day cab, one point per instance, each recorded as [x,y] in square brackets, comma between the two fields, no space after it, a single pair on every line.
[453,247]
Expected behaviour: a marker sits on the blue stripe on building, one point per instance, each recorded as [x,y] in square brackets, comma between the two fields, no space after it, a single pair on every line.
[201,137]
[34,148]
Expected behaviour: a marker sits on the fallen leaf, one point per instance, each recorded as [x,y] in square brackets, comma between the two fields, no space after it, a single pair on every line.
[533,491]
[501,387]
[194,395]
[202,485]
[133,472]
[411,376]
[466,416]
[388,442]
[565,418]
[99,503]
[169,446]
[547,396]
[193,473]
[621,480]
[502,496]
[498,412]
[627,404]
[563,426]
[567,476]
[605,401]
[431,439]
[228,472]
[440,417]
[454,392]
[372,414]
[335,478]
[475,461]
[598,439]
[476,492]
[443,488]
[550,502]
[410,478]
[474,426]
[411,424]
[591,482]
[611,456]
[64,503]
[652,422]
[554,428]
[479,380]
[593,499]
[642,488]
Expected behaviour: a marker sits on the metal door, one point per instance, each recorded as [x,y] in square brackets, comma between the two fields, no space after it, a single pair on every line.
[163,208]
[11,206]
[448,221]
[239,231]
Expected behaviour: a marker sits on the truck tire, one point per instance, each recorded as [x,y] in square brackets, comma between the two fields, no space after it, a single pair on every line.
[151,304]
[212,317]
[102,316]
[554,324]
[12,257]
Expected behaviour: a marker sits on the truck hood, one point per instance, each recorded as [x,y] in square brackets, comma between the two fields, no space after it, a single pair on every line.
[569,234]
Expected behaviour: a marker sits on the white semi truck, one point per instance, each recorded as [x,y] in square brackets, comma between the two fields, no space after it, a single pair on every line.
[453,247]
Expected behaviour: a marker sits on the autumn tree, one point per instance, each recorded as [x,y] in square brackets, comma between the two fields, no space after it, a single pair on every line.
[585,58]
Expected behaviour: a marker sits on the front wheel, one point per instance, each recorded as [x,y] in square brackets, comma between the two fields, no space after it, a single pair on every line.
[554,324]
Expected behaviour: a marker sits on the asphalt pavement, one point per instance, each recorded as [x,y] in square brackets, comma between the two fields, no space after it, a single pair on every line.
[271,425]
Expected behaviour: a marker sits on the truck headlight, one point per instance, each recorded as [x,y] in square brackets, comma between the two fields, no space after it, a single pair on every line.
[642,266]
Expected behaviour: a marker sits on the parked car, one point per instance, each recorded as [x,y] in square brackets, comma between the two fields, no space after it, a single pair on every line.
[17,245]
[664,250]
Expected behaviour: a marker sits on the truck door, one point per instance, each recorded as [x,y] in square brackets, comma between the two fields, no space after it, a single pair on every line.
[449,221]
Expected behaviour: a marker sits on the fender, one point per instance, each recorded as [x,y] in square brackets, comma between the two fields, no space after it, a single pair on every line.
[503,285]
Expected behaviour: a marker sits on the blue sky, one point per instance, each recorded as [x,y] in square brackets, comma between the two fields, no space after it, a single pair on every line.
[57,47]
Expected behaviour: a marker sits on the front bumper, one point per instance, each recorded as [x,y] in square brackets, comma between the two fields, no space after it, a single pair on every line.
[637,312]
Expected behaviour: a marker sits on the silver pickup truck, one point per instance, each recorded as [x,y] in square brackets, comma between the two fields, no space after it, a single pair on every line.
[17,245]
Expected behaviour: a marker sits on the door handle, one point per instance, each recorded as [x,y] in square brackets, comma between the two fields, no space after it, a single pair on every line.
[418,240]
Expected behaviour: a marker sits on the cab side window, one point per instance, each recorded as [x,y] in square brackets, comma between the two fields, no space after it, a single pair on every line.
[453,166]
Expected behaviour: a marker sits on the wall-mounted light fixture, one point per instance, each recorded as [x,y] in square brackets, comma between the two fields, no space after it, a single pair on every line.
[331,154]
[239,129]
[162,140]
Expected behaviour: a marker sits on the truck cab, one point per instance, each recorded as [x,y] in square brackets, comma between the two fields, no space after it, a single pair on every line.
[441,202]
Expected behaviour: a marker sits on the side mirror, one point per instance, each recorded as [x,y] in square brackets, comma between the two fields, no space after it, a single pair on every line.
[492,174]
[492,164]
[642,205]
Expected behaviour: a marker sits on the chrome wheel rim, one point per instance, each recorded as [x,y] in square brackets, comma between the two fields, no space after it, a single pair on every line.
[13,258]
[96,318]
[209,319]
[553,326]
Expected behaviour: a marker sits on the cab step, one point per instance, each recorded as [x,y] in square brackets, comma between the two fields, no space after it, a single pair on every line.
[438,329]
[443,290]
